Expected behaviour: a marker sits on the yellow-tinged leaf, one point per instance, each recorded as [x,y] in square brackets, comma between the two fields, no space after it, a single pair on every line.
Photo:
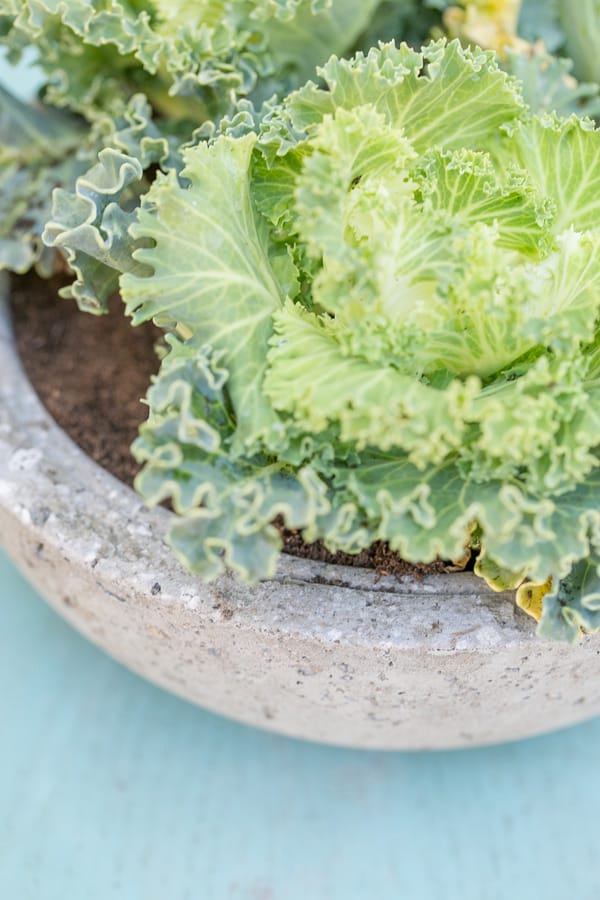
[498,578]
[488,23]
[530,597]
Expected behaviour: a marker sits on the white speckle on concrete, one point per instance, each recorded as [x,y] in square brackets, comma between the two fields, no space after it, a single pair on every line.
[25,459]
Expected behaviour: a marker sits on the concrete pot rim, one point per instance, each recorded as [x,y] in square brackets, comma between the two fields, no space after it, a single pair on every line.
[47,446]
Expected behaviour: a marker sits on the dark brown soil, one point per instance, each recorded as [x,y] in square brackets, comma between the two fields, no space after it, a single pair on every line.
[91,371]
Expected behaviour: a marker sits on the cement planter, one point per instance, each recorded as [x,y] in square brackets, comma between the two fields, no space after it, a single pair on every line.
[321,652]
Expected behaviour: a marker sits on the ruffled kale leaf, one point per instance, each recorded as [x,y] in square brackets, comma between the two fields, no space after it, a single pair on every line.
[573,605]
[190,59]
[227,502]
[90,226]
[39,149]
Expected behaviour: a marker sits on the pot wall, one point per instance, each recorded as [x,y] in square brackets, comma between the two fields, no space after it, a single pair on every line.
[321,652]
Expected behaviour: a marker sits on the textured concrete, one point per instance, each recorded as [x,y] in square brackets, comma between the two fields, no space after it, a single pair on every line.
[322,652]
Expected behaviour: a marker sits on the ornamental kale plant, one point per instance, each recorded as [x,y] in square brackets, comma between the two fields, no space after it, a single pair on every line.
[380,291]
[382,314]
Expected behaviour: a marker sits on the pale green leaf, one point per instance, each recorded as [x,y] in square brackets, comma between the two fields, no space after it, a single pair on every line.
[218,275]
[427,94]
[562,159]
[465,185]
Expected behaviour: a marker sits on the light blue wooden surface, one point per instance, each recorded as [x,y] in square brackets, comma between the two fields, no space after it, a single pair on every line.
[111,789]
